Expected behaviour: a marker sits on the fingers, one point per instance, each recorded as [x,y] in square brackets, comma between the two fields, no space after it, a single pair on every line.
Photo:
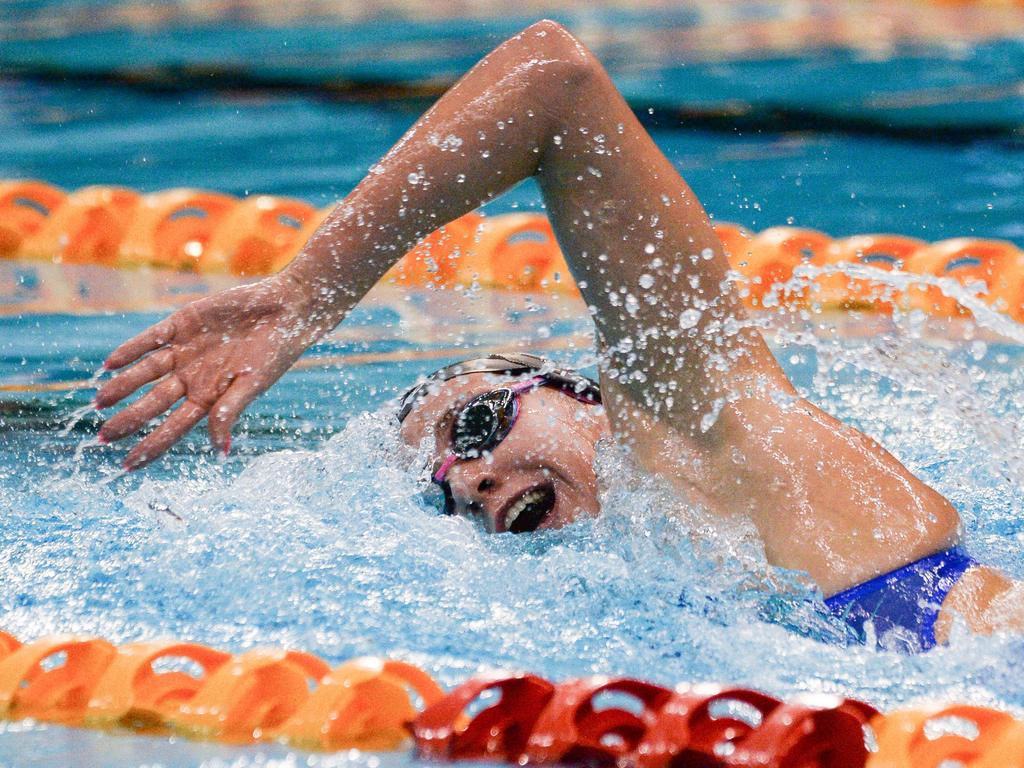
[148,369]
[228,408]
[167,434]
[150,339]
[152,404]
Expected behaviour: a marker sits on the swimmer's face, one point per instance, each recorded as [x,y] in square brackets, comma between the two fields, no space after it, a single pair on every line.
[540,476]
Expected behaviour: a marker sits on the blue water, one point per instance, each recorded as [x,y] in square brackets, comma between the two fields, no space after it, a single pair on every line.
[886,63]
[313,535]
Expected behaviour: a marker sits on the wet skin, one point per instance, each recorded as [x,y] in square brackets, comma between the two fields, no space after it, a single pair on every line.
[552,445]
[689,385]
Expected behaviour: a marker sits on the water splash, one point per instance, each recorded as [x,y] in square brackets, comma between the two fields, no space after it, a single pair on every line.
[331,549]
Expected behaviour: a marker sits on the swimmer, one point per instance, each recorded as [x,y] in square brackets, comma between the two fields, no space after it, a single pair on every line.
[686,383]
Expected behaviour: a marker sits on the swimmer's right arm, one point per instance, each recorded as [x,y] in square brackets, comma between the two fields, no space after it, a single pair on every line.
[539,105]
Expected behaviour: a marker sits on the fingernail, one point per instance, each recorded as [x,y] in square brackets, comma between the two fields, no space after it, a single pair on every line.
[102,440]
[227,448]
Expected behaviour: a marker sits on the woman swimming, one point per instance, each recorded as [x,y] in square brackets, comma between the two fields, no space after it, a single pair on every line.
[687,384]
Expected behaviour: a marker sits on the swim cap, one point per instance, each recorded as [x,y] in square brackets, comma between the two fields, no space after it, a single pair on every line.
[508,363]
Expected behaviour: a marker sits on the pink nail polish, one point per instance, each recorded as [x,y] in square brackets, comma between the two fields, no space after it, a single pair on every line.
[102,440]
[227,447]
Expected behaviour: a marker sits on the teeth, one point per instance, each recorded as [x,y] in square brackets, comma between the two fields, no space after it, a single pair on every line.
[526,500]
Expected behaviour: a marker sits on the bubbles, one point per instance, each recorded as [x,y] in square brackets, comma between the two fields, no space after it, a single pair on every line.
[646,281]
[324,543]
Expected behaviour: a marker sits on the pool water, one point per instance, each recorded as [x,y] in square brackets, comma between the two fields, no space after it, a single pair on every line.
[313,534]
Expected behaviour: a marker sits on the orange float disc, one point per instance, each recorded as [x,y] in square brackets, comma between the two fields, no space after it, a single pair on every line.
[519,251]
[735,240]
[438,257]
[250,695]
[363,704]
[53,678]
[997,264]
[842,291]
[24,208]
[284,258]
[8,644]
[254,237]
[171,229]
[86,229]
[771,258]
[970,736]
[133,694]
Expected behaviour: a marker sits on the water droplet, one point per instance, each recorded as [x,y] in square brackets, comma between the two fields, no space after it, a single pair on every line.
[646,281]
[689,318]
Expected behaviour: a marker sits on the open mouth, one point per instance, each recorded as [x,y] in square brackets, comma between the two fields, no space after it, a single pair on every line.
[530,509]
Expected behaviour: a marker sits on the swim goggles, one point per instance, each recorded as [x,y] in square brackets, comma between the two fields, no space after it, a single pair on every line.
[487,419]
[507,363]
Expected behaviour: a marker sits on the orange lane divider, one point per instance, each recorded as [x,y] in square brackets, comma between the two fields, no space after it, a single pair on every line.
[132,693]
[838,290]
[254,692]
[435,261]
[8,644]
[519,251]
[172,229]
[995,265]
[257,234]
[296,698]
[770,258]
[52,679]
[86,228]
[24,207]
[217,235]
[363,704]
[199,692]
[973,737]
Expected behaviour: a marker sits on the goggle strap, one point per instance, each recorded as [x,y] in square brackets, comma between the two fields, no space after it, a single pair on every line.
[526,386]
[447,464]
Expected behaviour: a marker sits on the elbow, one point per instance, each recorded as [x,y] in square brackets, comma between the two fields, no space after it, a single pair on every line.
[547,38]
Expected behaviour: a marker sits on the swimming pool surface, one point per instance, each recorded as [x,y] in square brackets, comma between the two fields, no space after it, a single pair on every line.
[312,535]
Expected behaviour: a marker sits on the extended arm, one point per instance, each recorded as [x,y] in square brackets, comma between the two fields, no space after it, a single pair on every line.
[540,104]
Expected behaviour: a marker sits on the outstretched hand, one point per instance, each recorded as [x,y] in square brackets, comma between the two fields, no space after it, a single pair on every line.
[218,354]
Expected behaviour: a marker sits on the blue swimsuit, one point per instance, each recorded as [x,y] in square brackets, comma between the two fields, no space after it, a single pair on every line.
[902,605]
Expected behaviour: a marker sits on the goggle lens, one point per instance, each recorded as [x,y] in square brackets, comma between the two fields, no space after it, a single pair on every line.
[484,422]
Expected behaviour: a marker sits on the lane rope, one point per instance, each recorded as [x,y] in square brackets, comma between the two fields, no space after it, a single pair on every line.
[297,698]
[217,236]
